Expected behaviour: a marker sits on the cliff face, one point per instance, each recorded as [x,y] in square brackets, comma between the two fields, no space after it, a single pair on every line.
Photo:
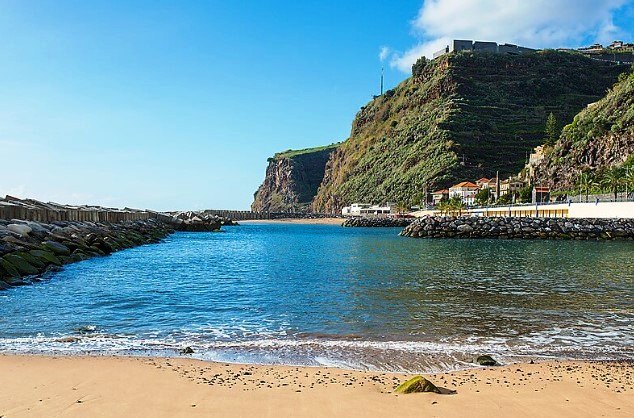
[291,180]
[600,137]
[462,116]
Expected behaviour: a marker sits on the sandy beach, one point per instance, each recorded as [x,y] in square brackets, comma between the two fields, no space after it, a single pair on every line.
[38,386]
[303,221]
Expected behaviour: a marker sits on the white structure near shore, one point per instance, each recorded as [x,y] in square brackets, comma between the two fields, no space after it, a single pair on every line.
[367,209]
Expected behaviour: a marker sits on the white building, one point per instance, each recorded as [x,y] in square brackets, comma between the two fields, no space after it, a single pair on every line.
[366,209]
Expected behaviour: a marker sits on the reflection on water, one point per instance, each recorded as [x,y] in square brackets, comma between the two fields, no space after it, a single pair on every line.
[318,294]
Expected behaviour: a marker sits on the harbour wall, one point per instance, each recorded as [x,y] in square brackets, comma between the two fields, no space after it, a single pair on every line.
[520,228]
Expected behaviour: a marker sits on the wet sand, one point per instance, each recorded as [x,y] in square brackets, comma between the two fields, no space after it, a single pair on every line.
[35,386]
[315,221]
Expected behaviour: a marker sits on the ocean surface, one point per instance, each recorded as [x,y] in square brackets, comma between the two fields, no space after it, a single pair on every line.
[361,298]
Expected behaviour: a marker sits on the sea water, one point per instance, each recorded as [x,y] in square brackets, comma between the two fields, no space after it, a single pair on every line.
[361,298]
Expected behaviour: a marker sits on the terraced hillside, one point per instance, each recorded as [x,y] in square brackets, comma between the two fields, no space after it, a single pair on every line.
[464,115]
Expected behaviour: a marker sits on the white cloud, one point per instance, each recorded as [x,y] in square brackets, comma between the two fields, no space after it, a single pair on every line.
[383,53]
[535,23]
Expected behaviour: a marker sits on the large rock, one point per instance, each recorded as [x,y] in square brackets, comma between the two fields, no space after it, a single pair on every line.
[416,384]
[7,269]
[56,248]
[486,360]
[22,230]
[23,266]
[47,256]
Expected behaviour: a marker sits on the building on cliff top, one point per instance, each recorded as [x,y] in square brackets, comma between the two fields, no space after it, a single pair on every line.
[481,46]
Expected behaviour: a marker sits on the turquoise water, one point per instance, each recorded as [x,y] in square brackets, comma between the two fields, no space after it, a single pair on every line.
[325,295]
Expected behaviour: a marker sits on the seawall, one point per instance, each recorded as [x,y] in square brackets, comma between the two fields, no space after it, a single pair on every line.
[29,250]
[377,222]
[520,228]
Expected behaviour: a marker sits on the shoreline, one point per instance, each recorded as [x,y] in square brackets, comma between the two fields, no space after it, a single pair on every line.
[297,221]
[134,386]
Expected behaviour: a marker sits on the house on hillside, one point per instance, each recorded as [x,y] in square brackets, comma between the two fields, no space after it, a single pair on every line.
[483,183]
[439,195]
[510,186]
[466,190]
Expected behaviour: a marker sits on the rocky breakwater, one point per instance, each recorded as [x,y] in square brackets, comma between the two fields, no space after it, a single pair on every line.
[520,228]
[377,222]
[199,222]
[29,250]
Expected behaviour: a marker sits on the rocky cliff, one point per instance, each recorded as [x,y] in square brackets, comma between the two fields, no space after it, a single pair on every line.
[462,116]
[600,137]
[291,180]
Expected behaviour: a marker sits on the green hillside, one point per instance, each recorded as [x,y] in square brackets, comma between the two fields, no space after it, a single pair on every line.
[599,138]
[462,116]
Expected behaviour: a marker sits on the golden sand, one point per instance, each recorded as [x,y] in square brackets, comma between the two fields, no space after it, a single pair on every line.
[34,386]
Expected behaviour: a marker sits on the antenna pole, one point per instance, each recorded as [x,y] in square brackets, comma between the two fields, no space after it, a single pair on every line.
[381,81]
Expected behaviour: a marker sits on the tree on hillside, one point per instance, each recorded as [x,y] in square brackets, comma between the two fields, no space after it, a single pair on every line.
[505,199]
[419,66]
[483,197]
[525,194]
[629,180]
[456,205]
[551,131]
[613,180]
[586,183]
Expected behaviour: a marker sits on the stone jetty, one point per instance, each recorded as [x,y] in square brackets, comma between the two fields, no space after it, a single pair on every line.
[360,221]
[199,221]
[520,228]
[29,249]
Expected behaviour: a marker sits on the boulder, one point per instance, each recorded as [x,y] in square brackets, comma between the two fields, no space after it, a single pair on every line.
[23,266]
[416,384]
[56,248]
[47,256]
[486,360]
[34,261]
[7,269]
[22,230]
[465,228]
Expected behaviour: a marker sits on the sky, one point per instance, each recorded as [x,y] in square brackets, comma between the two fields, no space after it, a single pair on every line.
[176,105]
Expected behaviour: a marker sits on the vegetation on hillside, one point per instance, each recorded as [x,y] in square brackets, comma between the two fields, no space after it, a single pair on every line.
[594,153]
[464,115]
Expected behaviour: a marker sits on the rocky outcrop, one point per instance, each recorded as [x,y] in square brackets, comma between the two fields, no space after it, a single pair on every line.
[599,138]
[377,222]
[520,228]
[199,222]
[28,249]
[291,181]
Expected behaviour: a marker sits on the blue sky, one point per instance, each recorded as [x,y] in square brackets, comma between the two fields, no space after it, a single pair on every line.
[176,105]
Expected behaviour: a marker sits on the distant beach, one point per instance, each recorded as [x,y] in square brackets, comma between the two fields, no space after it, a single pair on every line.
[299,221]
[36,386]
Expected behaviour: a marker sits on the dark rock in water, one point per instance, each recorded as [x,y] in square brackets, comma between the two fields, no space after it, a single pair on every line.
[47,256]
[187,350]
[56,248]
[486,360]
[416,384]
[7,269]
[21,264]
[34,261]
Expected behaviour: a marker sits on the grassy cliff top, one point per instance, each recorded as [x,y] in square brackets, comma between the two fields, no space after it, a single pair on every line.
[294,153]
